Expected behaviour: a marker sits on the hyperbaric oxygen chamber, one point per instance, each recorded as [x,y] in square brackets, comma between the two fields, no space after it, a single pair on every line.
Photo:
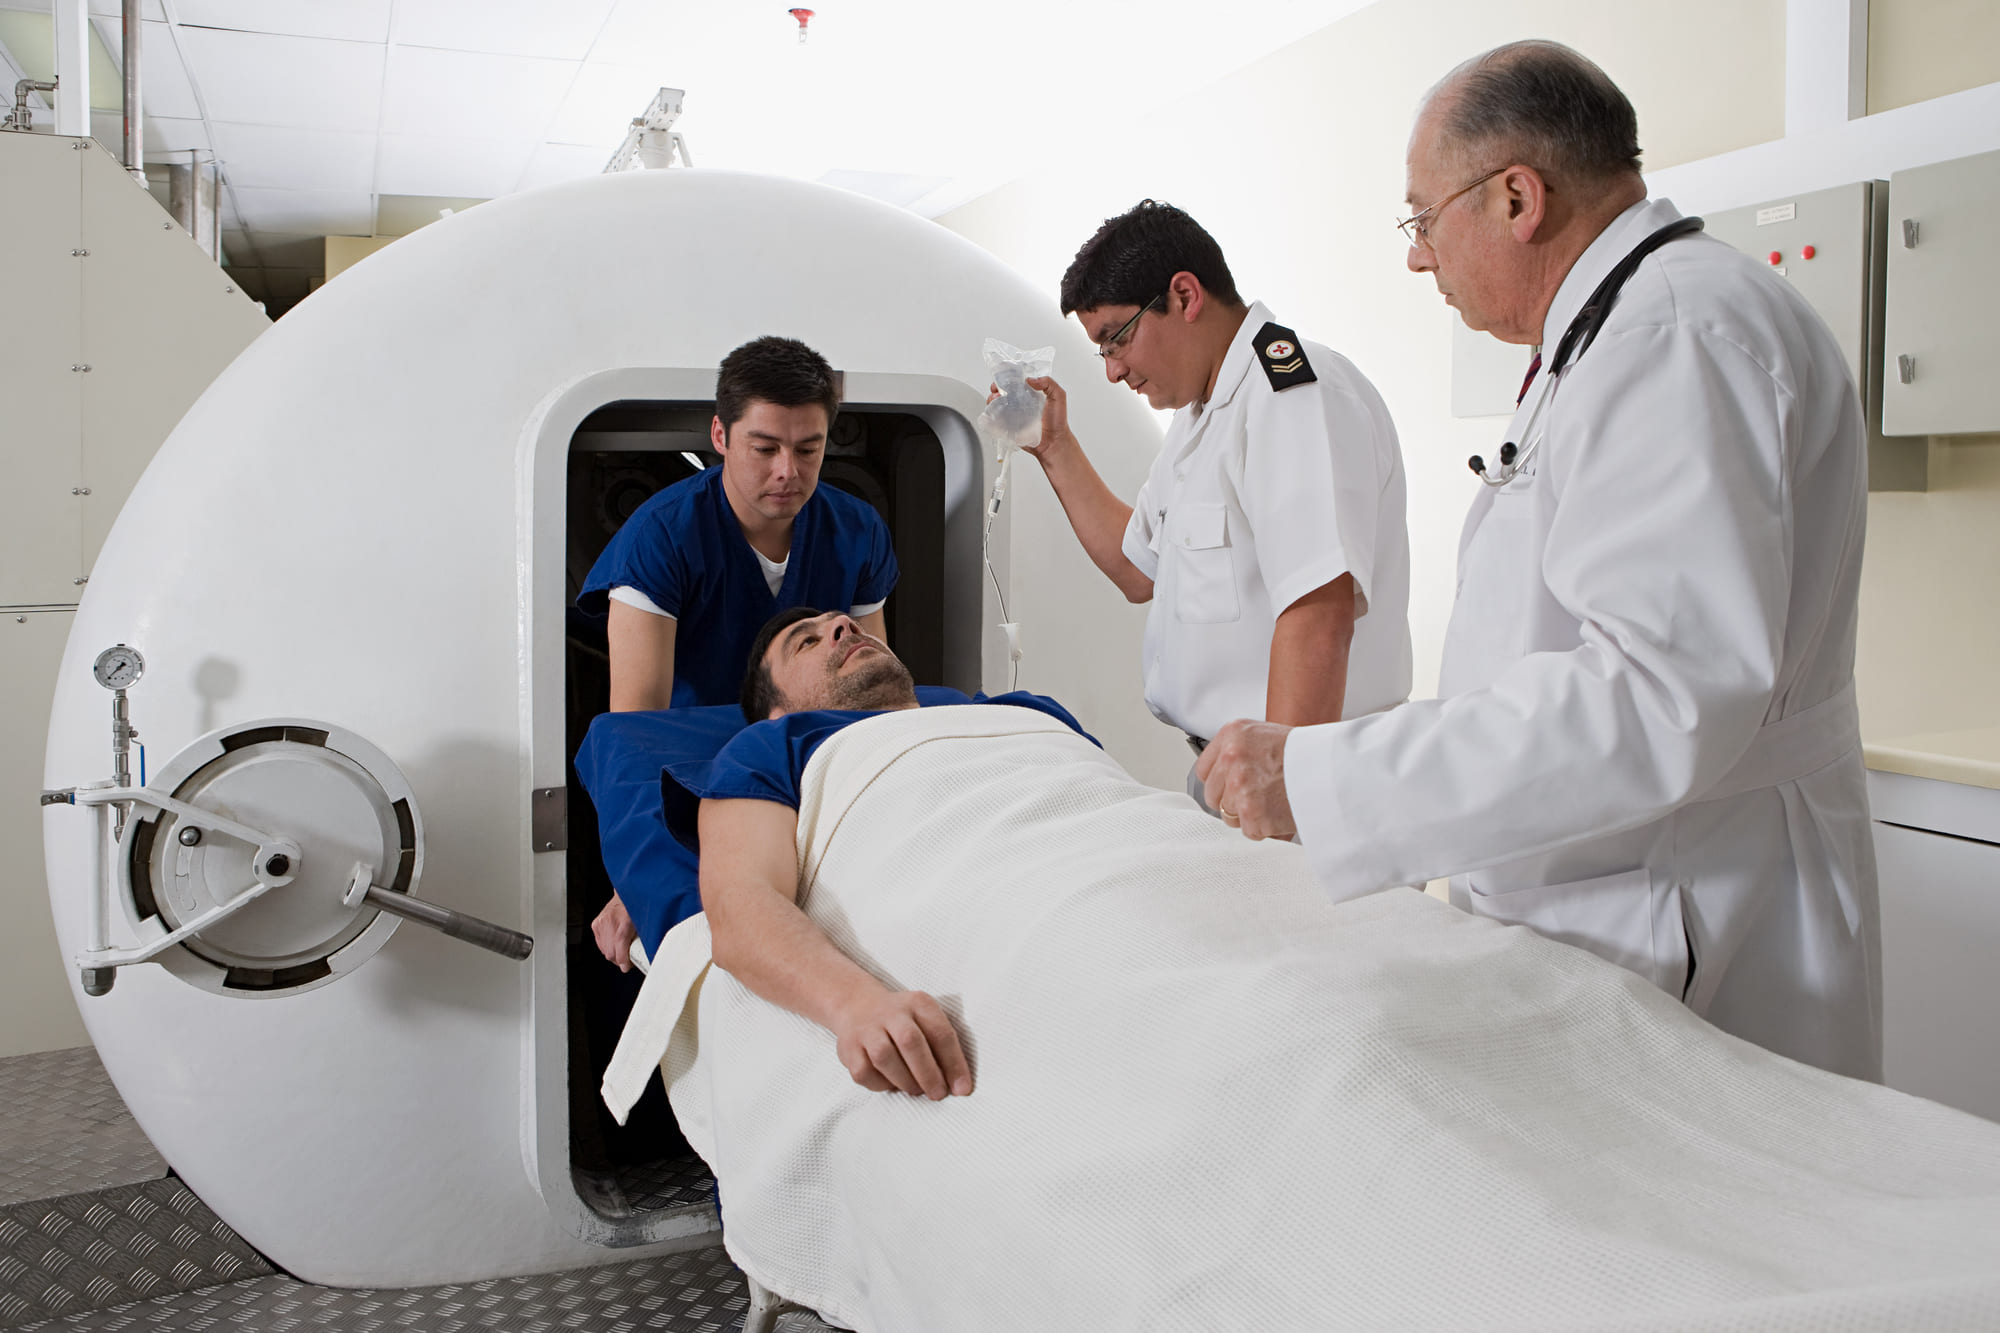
[348,570]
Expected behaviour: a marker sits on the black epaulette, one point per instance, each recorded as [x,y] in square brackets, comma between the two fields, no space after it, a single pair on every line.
[1284,361]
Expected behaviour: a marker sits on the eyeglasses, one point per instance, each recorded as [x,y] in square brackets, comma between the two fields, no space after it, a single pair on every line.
[1110,346]
[1417,227]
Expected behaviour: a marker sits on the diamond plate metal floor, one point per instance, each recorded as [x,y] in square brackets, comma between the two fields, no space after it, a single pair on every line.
[110,1247]
[63,1129]
[95,1234]
[698,1292]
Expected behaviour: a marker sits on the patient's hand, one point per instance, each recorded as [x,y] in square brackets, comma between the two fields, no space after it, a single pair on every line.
[614,932]
[902,1041]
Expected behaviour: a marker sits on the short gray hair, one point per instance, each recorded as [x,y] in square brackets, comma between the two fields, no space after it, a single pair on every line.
[1542,105]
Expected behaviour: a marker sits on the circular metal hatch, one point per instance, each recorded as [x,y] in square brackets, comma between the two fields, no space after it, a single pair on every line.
[334,795]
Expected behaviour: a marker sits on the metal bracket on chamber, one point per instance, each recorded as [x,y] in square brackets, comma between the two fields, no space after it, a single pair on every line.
[185,894]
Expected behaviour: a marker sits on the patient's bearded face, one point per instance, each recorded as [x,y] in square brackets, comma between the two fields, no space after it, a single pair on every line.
[827,662]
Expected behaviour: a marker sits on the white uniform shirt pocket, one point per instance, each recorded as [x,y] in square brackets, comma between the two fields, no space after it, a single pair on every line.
[1204,567]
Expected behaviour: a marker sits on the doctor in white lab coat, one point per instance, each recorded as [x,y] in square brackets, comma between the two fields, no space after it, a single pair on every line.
[1647,743]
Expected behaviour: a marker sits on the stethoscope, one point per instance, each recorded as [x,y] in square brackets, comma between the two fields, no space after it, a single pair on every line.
[1576,339]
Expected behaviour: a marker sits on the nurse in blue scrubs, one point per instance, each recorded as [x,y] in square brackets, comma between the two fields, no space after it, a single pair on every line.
[700,567]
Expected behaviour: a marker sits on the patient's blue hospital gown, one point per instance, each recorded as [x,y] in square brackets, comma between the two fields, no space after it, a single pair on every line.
[648,772]
[685,550]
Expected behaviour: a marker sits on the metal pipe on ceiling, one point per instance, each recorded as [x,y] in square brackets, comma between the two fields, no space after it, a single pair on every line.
[191,194]
[135,152]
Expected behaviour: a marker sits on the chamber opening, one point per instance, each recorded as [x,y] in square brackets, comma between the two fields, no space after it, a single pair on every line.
[620,456]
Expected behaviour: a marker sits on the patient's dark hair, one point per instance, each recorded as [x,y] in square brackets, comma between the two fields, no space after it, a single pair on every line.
[783,371]
[760,693]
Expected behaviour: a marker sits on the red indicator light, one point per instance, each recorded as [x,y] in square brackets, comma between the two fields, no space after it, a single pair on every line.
[1807,253]
[1777,258]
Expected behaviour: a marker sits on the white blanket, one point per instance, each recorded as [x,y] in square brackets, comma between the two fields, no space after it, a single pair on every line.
[1207,1099]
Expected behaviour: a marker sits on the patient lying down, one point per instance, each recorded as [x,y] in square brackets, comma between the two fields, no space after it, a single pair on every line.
[889,1040]
[1208,1098]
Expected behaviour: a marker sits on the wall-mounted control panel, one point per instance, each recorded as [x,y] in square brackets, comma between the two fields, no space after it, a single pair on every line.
[1941,344]
[1829,245]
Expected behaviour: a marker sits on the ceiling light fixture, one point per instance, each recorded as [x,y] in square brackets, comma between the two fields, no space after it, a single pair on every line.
[804,16]
[652,142]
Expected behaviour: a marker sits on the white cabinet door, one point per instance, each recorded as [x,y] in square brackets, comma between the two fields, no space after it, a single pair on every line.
[1940,342]
[37,1012]
[1941,967]
[160,321]
[41,370]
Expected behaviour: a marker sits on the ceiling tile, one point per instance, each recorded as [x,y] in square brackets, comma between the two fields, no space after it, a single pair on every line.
[167,134]
[253,78]
[561,162]
[564,31]
[164,87]
[260,157]
[459,95]
[307,212]
[692,36]
[348,20]
[151,10]
[414,164]
[601,104]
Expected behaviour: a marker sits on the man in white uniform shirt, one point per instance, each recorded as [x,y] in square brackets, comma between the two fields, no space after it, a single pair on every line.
[1647,744]
[1270,536]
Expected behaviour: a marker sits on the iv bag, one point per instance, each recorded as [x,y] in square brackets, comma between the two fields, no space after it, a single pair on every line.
[1013,420]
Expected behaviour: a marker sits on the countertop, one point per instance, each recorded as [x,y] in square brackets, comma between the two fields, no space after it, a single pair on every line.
[1970,757]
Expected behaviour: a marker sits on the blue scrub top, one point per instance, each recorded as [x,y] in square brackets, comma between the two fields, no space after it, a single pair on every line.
[767,761]
[646,773]
[684,549]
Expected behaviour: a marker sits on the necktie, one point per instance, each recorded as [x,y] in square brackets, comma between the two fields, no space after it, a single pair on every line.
[1533,366]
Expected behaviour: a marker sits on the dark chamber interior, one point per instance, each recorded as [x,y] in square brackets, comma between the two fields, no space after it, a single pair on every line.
[620,456]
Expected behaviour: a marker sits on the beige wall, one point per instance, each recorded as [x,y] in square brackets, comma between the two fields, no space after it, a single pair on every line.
[344,252]
[1920,49]
[1929,657]
[1296,165]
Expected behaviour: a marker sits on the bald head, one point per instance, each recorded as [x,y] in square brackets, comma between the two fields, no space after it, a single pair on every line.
[1540,104]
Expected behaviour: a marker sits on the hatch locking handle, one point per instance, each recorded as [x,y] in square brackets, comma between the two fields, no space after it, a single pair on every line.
[459,925]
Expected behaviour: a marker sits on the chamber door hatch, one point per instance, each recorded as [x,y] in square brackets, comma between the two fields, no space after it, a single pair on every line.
[264,859]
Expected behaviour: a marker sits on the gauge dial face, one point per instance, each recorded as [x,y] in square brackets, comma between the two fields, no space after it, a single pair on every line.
[119,667]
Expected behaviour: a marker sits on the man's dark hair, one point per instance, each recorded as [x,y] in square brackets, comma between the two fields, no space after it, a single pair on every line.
[1135,255]
[760,693]
[783,371]
[1542,105]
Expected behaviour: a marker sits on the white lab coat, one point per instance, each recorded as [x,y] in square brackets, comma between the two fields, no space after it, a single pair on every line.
[1647,743]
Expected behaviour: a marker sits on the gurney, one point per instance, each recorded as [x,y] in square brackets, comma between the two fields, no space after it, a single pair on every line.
[1209,1098]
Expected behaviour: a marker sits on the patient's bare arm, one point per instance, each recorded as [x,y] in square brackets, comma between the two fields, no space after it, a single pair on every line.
[889,1040]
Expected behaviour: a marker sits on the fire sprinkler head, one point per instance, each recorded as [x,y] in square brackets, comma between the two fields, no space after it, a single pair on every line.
[804,16]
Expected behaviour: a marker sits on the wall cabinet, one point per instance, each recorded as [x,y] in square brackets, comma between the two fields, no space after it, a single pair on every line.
[1940,341]
[115,323]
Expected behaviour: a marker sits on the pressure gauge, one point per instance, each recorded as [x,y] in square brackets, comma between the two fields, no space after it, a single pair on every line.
[119,667]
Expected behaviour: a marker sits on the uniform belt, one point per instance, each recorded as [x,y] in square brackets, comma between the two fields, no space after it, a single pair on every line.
[1792,747]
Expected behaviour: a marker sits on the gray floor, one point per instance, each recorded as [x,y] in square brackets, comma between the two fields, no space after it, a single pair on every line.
[63,1129]
[95,1233]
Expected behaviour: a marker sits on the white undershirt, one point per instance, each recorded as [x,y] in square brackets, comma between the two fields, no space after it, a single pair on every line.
[774,578]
